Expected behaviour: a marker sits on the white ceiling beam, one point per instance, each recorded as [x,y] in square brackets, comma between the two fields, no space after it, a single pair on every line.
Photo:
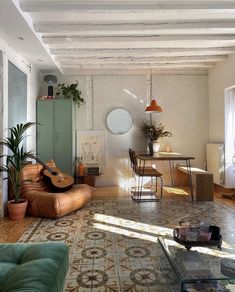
[140,42]
[52,5]
[138,66]
[140,52]
[77,39]
[128,60]
[152,16]
[135,35]
[109,28]
[162,71]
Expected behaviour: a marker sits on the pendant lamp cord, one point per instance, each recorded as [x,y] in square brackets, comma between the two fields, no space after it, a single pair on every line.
[151,96]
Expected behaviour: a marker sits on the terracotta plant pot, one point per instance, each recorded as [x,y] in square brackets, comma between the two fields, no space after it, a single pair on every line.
[17,211]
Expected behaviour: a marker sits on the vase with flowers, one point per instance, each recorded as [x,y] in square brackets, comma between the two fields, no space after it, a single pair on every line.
[153,133]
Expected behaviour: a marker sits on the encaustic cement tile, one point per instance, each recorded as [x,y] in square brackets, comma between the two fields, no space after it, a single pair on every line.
[94,281]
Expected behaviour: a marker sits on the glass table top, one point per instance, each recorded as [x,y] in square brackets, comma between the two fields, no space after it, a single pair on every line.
[200,263]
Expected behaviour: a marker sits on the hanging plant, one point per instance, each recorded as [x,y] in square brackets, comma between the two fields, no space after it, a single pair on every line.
[70,91]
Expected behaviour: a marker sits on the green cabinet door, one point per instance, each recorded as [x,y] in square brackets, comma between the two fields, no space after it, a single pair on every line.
[55,135]
[63,135]
[45,130]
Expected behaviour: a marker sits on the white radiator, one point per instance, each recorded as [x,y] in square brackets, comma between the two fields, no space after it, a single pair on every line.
[215,161]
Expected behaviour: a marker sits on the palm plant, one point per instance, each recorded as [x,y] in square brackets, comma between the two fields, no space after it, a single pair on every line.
[17,156]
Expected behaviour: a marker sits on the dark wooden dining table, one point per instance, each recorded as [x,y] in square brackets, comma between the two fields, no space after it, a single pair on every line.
[171,157]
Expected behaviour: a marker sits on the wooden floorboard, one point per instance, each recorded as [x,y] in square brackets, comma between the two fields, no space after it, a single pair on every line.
[11,231]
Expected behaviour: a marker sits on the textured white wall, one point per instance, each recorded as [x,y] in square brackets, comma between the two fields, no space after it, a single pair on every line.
[128,92]
[184,99]
[33,93]
[219,78]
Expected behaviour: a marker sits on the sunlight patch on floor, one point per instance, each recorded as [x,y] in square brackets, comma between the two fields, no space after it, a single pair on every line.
[125,232]
[175,191]
[204,250]
[129,183]
[124,223]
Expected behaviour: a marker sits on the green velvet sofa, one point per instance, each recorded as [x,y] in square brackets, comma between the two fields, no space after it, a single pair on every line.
[33,267]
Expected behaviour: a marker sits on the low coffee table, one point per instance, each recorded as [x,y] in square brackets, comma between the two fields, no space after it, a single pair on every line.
[202,266]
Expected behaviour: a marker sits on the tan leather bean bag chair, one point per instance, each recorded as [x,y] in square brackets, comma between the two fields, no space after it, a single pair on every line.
[42,201]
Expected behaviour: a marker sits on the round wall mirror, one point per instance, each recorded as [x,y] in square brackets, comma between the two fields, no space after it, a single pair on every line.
[119,121]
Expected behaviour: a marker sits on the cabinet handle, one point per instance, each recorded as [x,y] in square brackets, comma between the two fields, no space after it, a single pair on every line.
[38,134]
[57,136]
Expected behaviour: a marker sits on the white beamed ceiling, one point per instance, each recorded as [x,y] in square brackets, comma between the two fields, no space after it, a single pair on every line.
[135,34]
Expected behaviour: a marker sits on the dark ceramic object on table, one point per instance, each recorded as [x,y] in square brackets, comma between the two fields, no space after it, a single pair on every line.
[150,145]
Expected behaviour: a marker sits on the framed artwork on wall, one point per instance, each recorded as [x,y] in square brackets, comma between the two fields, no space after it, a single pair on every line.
[90,145]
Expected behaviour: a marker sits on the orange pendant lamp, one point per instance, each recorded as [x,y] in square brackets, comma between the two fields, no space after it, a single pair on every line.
[153,107]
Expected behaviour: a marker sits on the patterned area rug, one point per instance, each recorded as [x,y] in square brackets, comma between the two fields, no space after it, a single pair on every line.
[114,242]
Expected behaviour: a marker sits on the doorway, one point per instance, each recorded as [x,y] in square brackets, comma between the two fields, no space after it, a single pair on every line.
[17,96]
[229,140]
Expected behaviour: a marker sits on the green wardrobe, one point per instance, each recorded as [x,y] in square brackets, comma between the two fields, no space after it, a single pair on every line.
[55,133]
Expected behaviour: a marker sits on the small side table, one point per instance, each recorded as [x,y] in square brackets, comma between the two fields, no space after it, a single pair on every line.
[88,179]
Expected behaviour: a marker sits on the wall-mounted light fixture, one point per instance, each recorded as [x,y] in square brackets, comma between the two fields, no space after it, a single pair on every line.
[50,79]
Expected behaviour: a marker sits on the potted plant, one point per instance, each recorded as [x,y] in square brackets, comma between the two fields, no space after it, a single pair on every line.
[154,132]
[80,167]
[70,91]
[15,161]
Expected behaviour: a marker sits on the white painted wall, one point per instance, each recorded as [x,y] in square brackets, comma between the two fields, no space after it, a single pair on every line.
[219,78]
[184,99]
[33,82]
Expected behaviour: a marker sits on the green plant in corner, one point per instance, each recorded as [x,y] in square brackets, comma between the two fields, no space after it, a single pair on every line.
[16,158]
[70,91]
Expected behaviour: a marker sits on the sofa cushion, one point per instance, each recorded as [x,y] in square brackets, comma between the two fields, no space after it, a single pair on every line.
[33,267]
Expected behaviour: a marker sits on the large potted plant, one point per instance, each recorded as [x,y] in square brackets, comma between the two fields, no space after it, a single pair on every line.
[154,132]
[70,91]
[15,160]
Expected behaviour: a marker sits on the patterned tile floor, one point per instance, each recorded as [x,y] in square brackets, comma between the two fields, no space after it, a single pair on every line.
[114,242]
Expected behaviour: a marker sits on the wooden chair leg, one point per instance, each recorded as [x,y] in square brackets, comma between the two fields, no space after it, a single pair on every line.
[161,186]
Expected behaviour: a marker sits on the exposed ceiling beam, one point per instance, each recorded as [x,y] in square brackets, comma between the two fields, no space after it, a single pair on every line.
[135,34]
[162,71]
[140,42]
[139,66]
[192,28]
[129,60]
[49,5]
[136,16]
[141,53]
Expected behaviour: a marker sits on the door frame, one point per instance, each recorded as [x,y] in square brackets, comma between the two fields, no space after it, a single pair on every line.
[9,54]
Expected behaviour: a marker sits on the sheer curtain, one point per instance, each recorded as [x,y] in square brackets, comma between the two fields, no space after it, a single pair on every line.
[230,128]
